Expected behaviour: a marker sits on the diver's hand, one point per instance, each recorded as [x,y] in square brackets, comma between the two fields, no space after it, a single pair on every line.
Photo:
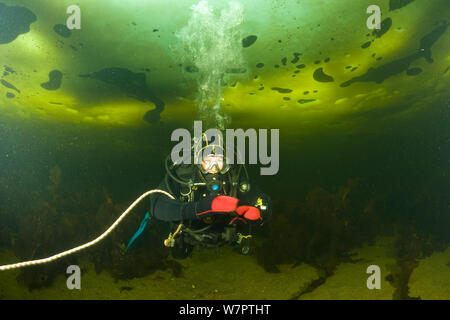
[216,204]
[248,214]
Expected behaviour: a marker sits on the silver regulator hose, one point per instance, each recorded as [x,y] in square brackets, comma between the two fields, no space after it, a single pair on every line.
[86,245]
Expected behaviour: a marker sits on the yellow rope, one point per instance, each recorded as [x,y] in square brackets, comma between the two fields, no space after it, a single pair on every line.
[86,245]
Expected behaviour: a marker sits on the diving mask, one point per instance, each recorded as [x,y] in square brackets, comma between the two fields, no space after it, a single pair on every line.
[212,163]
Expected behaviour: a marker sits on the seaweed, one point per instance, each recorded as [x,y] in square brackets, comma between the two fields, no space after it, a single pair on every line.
[125,288]
[39,236]
[408,249]
[325,226]
[311,286]
[425,233]
[61,219]
[320,230]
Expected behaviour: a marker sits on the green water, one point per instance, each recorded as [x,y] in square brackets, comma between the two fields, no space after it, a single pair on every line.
[364,158]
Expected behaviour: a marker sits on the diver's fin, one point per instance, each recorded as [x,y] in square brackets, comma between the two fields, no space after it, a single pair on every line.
[138,233]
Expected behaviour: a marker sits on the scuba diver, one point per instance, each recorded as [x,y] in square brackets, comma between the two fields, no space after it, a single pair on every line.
[214,204]
[211,201]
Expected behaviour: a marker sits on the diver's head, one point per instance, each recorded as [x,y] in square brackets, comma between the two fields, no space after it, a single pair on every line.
[210,158]
[212,163]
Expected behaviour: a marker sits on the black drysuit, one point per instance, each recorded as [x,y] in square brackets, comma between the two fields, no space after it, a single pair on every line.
[166,209]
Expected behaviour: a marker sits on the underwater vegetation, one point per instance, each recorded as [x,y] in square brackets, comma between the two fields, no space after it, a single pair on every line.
[56,221]
[322,229]
[319,228]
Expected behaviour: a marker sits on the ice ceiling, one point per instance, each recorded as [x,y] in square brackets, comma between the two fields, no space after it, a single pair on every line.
[305,62]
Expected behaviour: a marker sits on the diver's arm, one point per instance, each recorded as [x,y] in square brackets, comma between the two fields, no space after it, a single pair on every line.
[166,209]
[172,210]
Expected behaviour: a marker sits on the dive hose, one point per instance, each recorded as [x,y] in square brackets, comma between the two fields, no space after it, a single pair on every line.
[86,245]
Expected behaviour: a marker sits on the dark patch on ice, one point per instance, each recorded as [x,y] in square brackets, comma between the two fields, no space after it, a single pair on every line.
[306,92]
[248,41]
[385,25]
[383,72]
[54,82]
[326,59]
[300,66]
[236,70]
[366,44]
[296,71]
[413,71]
[397,4]
[191,69]
[303,101]
[62,30]
[284,61]
[282,90]
[296,57]
[10,95]
[446,70]
[73,48]
[262,88]
[155,30]
[353,69]
[14,22]
[9,85]
[320,76]
[9,70]
[286,98]
[153,116]
[134,84]
[428,40]
[260,65]
[58,103]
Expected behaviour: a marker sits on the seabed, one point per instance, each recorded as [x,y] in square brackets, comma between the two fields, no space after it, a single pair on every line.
[223,274]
